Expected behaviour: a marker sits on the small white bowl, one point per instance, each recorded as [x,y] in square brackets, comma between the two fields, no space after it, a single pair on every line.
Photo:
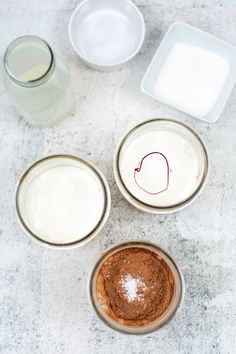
[106,33]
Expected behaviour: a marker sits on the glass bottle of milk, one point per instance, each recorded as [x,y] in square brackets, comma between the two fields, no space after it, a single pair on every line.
[37,81]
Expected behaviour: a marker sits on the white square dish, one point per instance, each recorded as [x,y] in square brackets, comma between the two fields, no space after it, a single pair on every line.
[199,87]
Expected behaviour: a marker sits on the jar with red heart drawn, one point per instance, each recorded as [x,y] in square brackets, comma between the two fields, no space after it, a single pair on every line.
[161,166]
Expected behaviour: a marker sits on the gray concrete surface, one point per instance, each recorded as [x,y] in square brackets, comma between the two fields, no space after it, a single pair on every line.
[44,306]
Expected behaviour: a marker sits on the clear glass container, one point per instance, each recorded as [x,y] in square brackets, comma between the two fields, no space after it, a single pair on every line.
[102,310]
[62,201]
[37,81]
[161,166]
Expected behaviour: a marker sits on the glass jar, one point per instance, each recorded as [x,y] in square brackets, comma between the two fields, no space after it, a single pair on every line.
[161,166]
[37,81]
[101,302]
[62,201]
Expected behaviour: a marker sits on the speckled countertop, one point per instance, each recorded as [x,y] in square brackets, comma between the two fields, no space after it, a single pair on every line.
[44,305]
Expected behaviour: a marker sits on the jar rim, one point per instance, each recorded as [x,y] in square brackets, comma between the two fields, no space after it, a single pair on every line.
[34,82]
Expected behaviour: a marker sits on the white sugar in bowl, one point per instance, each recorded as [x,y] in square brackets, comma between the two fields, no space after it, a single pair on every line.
[106,33]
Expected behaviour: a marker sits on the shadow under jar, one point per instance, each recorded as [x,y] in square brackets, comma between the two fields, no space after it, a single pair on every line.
[136,288]
[37,81]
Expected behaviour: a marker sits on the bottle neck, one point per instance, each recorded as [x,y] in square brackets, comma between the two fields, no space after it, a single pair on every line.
[29,61]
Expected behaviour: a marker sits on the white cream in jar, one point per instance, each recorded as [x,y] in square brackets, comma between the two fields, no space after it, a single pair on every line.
[62,200]
[161,163]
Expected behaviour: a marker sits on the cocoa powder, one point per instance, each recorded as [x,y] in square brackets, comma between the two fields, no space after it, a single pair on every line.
[135,286]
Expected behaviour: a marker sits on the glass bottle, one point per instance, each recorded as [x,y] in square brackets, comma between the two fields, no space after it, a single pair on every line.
[37,81]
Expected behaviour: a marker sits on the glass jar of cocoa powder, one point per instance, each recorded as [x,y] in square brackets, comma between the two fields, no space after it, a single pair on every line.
[136,288]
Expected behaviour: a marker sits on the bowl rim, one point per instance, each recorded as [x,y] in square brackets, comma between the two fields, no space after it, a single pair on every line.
[147,207]
[86,60]
[96,229]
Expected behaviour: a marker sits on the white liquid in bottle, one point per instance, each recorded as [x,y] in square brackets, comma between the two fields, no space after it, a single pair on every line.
[34,73]
[37,81]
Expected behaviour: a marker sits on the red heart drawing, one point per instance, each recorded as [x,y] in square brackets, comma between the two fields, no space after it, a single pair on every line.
[152,174]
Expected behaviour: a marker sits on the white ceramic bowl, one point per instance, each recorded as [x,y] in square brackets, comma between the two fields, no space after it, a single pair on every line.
[188,35]
[106,33]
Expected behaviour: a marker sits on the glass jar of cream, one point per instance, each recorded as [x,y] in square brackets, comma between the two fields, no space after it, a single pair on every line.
[37,81]
[161,166]
[63,201]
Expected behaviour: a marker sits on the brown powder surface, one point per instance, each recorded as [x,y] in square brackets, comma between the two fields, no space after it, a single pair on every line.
[135,286]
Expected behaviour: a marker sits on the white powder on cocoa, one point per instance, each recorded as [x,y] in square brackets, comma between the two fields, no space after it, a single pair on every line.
[133,288]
